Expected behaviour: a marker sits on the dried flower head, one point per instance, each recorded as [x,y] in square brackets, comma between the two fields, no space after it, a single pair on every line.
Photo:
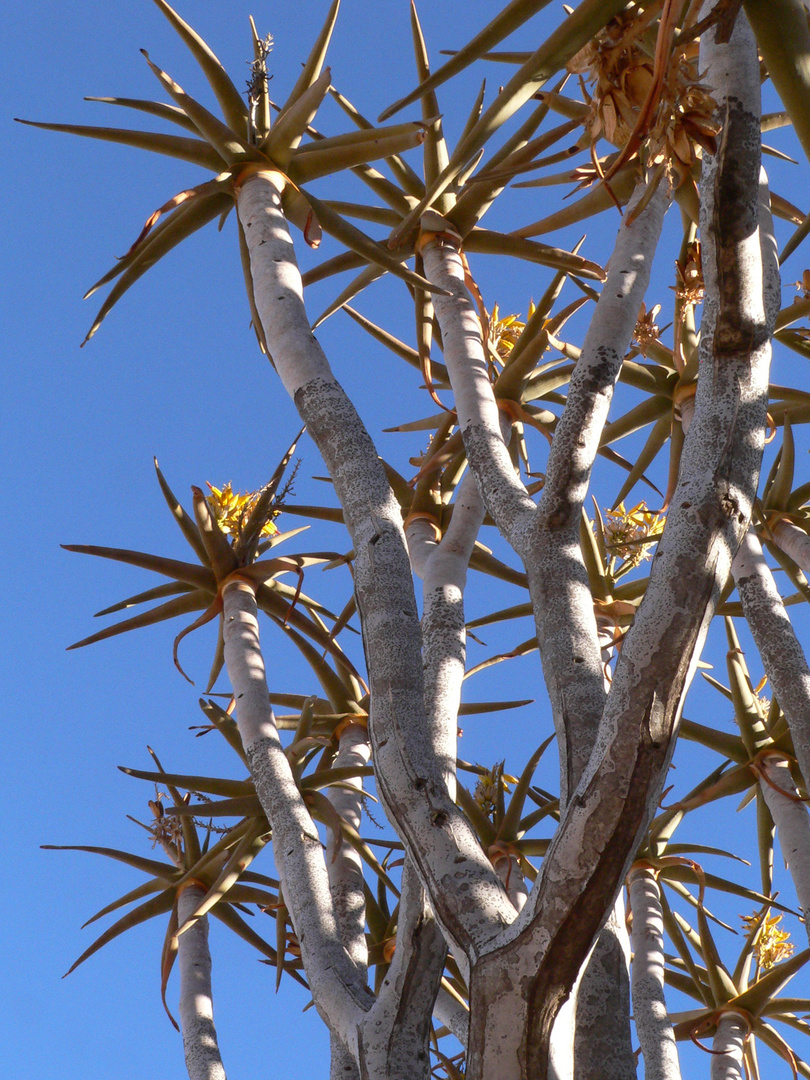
[771,944]
[647,331]
[690,275]
[619,64]
[232,509]
[803,286]
[166,830]
[630,533]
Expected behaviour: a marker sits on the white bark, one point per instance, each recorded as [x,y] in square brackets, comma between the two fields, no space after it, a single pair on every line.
[729,1040]
[782,655]
[792,826]
[451,1012]
[602,1039]
[710,511]
[654,1030]
[547,538]
[465,893]
[443,567]
[794,542]
[393,1037]
[343,864]
[342,1065]
[338,986]
[203,1059]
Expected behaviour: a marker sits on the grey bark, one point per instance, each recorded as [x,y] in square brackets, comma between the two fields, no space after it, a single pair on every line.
[782,655]
[710,511]
[465,893]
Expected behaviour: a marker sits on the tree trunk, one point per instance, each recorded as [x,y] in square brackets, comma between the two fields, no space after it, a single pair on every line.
[203,1059]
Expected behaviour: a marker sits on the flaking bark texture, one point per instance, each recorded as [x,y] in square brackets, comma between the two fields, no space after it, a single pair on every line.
[547,537]
[393,1039]
[710,510]
[465,893]
[343,864]
[602,1042]
[338,987]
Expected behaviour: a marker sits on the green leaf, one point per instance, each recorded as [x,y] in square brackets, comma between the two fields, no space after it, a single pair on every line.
[226,142]
[509,19]
[371,251]
[494,243]
[783,38]
[655,441]
[164,871]
[187,525]
[242,856]
[587,18]
[412,187]
[198,576]
[509,825]
[170,113]
[158,905]
[194,151]
[187,219]
[767,987]
[182,605]
[293,121]
[170,589]
[210,785]
[777,496]
[312,68]
[229,98]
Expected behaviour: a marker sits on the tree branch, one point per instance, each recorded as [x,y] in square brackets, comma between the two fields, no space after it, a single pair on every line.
[410,780]
[338,986]
[711,508]
[200,1044]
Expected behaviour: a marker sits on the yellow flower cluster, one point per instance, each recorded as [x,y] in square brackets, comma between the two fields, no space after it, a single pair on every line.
[629,533]
[232,509]
[486,790]
[505,332]
[771,944]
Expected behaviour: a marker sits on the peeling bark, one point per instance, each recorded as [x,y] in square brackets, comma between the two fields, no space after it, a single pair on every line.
[393,1038]
[344,865]
[710,511]
[465,893]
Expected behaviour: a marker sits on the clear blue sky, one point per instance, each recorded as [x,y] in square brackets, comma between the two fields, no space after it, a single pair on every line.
[175,372]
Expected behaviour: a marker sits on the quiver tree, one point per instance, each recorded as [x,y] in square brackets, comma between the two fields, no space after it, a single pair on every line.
[479,936]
